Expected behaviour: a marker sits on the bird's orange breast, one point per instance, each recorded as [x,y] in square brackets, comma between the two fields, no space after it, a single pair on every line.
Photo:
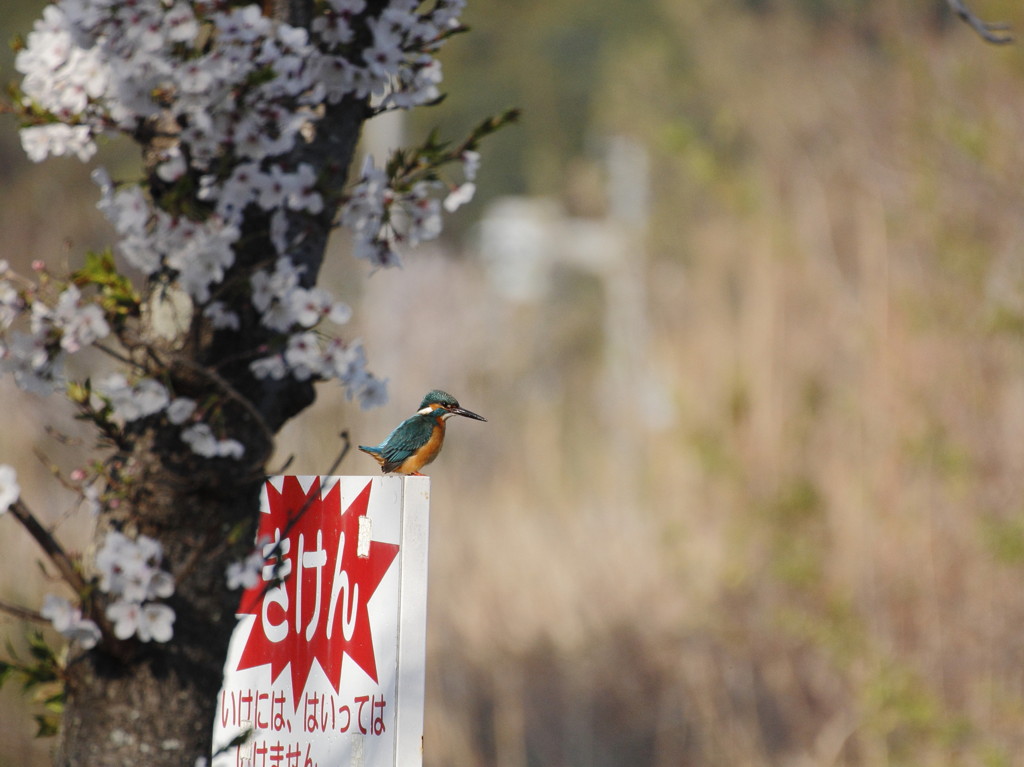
[425,454]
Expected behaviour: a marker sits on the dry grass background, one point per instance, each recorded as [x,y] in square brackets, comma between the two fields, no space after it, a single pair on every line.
[817,557]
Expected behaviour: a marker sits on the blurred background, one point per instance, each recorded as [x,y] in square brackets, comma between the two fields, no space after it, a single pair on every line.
[742,298]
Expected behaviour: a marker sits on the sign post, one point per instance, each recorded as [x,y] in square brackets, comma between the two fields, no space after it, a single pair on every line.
[326,663]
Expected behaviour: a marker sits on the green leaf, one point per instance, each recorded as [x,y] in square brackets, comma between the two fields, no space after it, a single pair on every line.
[237,532]
[55,702]
[6,670]
[117,294]
[79,393]
[48,724]
[39,648]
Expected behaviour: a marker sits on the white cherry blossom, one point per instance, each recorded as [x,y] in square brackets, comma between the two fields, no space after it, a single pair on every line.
[67,620]
[9,488]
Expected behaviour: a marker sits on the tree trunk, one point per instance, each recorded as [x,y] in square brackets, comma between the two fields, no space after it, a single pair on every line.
[135,703]
[131,703]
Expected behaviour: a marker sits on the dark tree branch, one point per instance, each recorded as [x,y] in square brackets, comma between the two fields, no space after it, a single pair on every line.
[49,544]
[22,613]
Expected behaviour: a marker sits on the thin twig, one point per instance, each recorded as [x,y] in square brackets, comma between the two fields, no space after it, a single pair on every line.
[49,544]
[284,466]
[190,563]
[341,456]
[54,469]
[294,520]
[118,356]
[242,356]
[64,439]
[231,392]
[987,30]
[199,552]
[22,613]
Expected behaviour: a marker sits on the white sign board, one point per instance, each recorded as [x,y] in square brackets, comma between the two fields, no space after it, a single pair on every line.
[325,667]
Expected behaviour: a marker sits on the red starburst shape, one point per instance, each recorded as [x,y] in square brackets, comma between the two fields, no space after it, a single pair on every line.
[318,612]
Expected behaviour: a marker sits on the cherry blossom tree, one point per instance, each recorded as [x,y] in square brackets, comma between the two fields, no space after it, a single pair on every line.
[206,309]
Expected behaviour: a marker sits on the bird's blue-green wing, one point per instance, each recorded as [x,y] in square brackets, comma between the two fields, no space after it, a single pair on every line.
[406,439]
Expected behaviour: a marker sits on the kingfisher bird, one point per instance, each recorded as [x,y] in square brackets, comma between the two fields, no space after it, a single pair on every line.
[417,440]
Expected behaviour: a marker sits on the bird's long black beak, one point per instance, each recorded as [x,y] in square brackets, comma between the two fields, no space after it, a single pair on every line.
[467,413]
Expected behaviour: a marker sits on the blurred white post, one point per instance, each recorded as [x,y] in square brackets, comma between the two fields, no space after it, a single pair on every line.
[326,664]
[522,240]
